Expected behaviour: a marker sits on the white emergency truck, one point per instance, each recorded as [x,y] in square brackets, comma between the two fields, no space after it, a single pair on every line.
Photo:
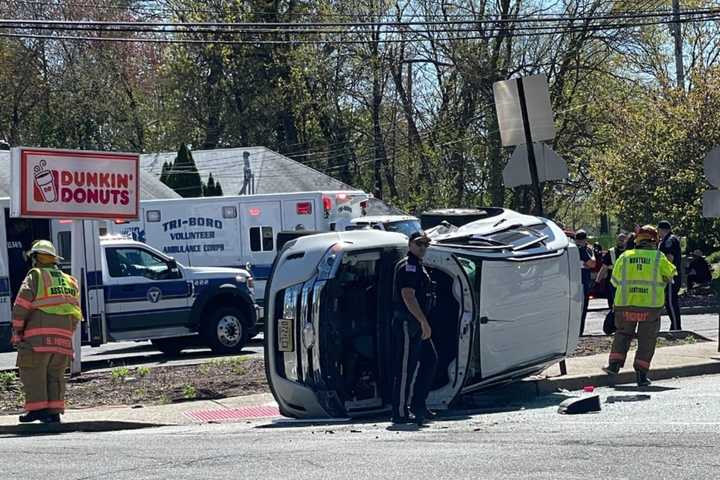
[509,301]
[238,231]
[132,291]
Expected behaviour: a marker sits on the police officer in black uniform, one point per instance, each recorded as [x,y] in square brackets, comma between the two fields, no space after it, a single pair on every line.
[670,246]
[415,355]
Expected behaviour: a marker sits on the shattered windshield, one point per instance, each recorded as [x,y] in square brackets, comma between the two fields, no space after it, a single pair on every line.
[511,237]
[406,227]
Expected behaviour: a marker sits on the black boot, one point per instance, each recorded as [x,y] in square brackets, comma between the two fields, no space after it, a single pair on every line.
[613,368]
[33,416]
[51,418]
[642,379]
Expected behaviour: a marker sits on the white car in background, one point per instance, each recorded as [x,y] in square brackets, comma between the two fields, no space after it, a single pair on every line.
[509,301]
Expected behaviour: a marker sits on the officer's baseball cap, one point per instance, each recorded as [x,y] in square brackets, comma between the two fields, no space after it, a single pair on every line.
[581,235]
[665,225]
[419,237]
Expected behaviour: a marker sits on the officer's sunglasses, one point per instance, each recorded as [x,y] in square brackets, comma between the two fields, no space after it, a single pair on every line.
[422,243]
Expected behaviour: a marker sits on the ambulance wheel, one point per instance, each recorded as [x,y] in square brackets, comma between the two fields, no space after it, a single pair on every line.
[226,331]
[169,346]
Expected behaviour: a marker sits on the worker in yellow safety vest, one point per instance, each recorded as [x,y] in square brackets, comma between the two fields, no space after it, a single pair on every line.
[639,277]
[45,315]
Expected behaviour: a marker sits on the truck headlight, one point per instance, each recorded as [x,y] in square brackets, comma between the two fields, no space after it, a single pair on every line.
[328,266]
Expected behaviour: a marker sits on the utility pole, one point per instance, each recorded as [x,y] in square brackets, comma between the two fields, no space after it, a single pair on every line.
[409,89]
[677,33]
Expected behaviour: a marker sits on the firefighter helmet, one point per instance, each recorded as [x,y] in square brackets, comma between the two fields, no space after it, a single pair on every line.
[647,233]
[43,247]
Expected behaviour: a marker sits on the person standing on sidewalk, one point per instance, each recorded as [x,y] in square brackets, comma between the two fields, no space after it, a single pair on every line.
[415,357]
[670,246]
[587,264]
[45,314]
[639,277]
[605,275]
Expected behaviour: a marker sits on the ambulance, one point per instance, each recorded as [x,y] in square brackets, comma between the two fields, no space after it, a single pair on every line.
[132,291]
[509,301]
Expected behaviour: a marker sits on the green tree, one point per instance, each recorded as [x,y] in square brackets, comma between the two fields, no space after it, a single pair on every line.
[212,188]
[184,177]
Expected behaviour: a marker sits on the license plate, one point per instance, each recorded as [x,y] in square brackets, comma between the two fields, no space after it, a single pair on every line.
[285,335]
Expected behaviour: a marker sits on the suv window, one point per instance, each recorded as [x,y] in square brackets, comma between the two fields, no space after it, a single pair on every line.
[138,262]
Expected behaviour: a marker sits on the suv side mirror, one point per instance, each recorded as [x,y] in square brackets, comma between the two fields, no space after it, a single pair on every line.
[172,265]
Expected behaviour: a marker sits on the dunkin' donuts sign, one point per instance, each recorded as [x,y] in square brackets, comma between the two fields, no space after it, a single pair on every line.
[74,184]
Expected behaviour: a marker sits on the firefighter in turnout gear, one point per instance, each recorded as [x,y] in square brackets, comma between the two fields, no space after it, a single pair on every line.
[45,314]
[415,357]
[639,277]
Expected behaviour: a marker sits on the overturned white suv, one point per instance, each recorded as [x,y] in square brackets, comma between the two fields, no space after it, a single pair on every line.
[509,300]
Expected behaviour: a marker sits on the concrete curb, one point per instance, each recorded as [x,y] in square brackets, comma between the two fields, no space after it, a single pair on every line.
[577,382]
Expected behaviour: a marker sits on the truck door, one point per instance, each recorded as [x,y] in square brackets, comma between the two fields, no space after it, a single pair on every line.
[525,323]
[145,297]
[299,214]
[261,222]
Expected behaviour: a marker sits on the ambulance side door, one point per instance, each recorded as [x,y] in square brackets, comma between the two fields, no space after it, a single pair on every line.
[144,297]
[260,223]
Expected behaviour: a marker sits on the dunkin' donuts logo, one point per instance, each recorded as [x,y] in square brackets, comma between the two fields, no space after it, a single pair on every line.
[67,186]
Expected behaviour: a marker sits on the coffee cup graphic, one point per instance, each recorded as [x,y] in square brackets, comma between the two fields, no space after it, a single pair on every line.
[45,182]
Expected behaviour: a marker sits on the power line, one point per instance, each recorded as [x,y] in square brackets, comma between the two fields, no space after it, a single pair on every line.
[538,31]
[396,24]
[166,6]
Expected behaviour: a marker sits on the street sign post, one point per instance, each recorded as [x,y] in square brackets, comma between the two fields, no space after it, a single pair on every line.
[83,186]
[525,116]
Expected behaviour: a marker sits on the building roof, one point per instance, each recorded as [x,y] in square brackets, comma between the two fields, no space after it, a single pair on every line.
[274,173]
[150,186]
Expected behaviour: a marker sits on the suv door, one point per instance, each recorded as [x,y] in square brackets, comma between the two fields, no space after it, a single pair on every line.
[524,313]
[145,294]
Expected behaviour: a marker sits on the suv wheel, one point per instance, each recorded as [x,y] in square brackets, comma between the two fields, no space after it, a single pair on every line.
[226,331]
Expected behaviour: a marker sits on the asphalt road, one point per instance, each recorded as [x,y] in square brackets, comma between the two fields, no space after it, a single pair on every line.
[675,434]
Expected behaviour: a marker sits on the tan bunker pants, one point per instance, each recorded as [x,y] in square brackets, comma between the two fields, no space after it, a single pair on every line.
[43,378]
[647,332]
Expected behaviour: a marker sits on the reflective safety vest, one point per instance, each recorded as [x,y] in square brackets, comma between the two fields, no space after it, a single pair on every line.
[55,312]
[57,293]
[639,277]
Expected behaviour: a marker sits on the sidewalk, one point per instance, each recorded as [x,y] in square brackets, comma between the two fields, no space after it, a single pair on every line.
[679,361]
[125,418]
[669,362]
